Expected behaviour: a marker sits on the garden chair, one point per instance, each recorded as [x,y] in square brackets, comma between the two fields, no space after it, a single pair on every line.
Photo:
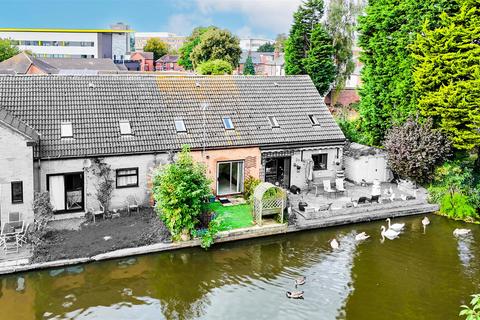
[99,212]
[340,185]
[327,187]
[132,204]
[21,237]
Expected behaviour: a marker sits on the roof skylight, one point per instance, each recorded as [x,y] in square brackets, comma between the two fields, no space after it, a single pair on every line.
[273,121]
[66,130]
[125,128]
[227,123]
[180,125]
[313,120]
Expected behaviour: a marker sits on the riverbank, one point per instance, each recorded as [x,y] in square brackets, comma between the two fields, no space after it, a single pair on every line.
[358,216]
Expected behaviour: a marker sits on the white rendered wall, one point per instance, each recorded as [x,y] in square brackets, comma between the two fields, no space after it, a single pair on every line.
[55,36]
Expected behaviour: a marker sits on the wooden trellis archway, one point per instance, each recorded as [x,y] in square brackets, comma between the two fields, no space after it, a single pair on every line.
[268,199]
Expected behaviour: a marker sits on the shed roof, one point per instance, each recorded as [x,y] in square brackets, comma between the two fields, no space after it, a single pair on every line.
[95,105]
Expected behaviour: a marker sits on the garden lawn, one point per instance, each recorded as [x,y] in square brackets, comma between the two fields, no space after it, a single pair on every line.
[233,217]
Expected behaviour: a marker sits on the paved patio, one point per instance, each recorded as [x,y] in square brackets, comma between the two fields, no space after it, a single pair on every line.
[322,204]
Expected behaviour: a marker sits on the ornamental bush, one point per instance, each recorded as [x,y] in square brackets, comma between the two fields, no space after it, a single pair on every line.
[414,150]
[180,190]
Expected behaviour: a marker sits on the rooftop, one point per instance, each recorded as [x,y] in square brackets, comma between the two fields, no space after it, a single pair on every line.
[95,105]
[65,30]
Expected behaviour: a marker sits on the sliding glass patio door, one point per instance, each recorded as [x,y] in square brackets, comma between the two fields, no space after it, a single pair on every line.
[66,192]
[229,177]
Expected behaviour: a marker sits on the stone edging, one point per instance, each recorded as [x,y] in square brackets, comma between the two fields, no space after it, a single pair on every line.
[224,236]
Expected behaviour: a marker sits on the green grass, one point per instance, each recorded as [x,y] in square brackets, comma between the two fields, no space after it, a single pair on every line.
[233,217]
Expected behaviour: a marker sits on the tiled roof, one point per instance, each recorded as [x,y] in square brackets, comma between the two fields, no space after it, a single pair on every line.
[14,122]
[95,104]
[145,55]
[168,58]
[21,63]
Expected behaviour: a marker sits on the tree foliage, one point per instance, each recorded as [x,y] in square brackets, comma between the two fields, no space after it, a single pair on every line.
[386,31]
[340,22]
[249,67]
[187,48]
[266,47]
[157,46]
[319,63]
[104,182]
[216,44]
[215,67]
[447,76]
[309,49]
[473,312]
[7,50]
[414,149]
[280,42]
[180,190]
[457,190]
[305,19]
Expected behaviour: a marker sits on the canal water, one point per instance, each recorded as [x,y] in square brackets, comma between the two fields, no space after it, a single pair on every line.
[420,275]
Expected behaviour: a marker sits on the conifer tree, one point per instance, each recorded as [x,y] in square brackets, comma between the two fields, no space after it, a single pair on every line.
[386,31]
[248,67]
[447,77]
[319,61]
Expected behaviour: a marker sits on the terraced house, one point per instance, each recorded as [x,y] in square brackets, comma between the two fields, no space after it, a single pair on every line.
[53,127]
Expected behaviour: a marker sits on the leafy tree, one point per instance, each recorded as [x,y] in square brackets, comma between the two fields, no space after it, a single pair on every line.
[180,189]
[187,48]
[217,44]
[266,47]
[447,76]
[305,19]
[7,50]
[215,67]
[472,313]
[248,67]
[280,42]
[386,31]
[414,149]
[457,191]
[157,46]
[340,22]
[319,63]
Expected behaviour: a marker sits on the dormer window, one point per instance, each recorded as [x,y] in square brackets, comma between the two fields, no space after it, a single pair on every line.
[313,120]
[125,128]
[273,121]
[180,125]
[227,123]
[66,130]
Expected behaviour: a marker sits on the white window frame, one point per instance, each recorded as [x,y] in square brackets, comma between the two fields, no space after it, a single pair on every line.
[180,122]
[273,121]
[125,128]
[66,129]
[228,123]
[313,119]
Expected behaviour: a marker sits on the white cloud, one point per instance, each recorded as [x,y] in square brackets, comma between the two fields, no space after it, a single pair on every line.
[270,15]
[183,24]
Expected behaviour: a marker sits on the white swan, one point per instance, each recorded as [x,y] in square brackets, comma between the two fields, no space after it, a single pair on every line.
[425,221]
[361,236]
[334,244]
[390,233]
[461,232]
[396,226]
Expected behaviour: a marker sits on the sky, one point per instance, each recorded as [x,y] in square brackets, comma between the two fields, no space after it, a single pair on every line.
[245,18]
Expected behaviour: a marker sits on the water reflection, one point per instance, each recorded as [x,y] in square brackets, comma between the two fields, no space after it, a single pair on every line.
[248,280]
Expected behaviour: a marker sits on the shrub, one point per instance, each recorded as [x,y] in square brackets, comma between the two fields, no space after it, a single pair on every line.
[473,312]
[215,67]
[249,187]
[208,237]
[455,189]
[414,149]
[43,212]
[181,189]
[105,182]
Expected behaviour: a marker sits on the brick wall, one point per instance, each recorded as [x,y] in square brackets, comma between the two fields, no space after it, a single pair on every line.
[250,156]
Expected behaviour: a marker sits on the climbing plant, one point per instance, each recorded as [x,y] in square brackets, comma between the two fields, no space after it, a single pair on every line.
[104,183]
